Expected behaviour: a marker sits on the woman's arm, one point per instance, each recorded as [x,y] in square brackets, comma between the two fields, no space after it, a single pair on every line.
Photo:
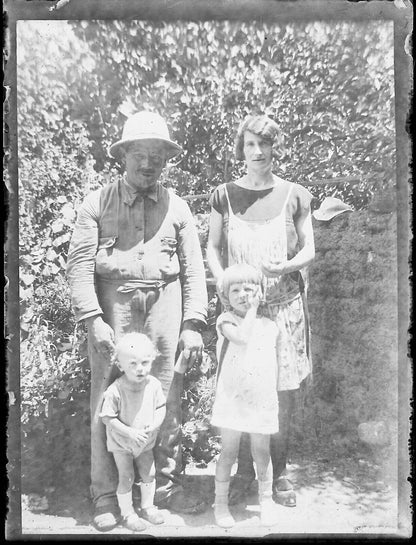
[304,257]
[214,244]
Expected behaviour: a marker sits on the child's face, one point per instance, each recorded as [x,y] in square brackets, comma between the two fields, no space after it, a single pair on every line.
[135,364]
[241,296]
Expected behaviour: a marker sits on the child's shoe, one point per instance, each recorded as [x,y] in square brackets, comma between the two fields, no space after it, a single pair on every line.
[148,510]
[267,507]
[133,523]
[152,515]
[223,517]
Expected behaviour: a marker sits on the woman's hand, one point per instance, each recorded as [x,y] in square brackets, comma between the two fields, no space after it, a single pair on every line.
[273,269]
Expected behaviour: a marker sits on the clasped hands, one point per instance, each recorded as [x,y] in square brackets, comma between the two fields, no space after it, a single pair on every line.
[139,436]
[274,268]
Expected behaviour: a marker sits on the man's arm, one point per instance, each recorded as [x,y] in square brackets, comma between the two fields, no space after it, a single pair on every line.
[80,265]
[194,290]
[81,275]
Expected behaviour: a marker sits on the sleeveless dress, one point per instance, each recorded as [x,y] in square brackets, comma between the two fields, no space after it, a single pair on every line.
[252,242]
[246,393]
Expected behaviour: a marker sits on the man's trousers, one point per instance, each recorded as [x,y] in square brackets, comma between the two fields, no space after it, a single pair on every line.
[158,314]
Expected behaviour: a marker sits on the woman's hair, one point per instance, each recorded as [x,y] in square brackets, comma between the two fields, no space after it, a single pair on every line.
[237,274]
[138,342]
[261,125]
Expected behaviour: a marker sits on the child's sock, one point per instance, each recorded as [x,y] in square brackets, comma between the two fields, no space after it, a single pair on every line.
[222,514]
[267,507]
[149,511]
[125,502]
[131,519]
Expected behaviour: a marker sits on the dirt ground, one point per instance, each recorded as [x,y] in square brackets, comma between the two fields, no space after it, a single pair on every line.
[344,496]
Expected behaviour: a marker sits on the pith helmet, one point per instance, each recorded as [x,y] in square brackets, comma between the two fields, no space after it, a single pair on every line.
[145,126]
[331,207]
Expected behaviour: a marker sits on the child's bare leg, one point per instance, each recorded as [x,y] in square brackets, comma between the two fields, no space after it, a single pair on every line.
[125,468]
[230,441]
[260,449]
[146,467]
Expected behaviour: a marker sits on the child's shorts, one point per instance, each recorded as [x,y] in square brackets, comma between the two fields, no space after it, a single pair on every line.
[118,443]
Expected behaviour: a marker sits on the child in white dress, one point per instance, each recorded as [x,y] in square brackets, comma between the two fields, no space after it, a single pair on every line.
[246,393]
[133,410]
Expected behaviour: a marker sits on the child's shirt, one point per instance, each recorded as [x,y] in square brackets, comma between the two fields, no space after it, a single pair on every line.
[134,405]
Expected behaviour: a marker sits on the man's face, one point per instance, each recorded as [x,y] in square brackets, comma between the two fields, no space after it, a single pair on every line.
[144,163]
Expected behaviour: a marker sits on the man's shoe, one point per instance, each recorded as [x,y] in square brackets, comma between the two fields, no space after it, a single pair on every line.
[105,518]
[181,502]
[239,488]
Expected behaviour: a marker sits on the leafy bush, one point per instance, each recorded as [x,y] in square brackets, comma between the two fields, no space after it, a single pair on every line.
[329,86]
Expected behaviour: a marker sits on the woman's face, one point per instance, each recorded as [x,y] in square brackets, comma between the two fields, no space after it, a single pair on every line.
[257,152]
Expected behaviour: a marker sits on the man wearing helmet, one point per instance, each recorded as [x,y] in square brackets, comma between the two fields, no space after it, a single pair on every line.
[135,264]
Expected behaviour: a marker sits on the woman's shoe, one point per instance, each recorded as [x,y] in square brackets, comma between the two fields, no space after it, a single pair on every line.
[152,515]
[240,487]
[283,492]
[133,523]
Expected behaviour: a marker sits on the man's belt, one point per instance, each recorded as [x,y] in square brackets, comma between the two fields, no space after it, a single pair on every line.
[133,285]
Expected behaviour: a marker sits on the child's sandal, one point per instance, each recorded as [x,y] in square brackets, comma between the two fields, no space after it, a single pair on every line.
[152,515]
[133,523]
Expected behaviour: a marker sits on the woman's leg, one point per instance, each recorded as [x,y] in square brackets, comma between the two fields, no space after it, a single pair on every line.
[146,468]
[125,468]
[260,448]
[279,449]
[245,474]
[230,440]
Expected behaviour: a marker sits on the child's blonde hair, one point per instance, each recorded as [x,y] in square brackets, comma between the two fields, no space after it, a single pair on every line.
[134,340]
[237,274]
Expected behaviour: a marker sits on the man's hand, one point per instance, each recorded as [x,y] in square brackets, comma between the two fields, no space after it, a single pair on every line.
[102,335]
[191,344]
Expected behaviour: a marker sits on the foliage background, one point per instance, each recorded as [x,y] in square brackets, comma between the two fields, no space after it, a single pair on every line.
[328,85]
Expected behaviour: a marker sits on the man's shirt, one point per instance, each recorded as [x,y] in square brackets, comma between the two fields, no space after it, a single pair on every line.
[154,238]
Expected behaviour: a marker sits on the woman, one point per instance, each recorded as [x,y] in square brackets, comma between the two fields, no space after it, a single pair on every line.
[265,221]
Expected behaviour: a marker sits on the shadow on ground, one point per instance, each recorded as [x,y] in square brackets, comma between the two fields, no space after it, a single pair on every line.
[354,485]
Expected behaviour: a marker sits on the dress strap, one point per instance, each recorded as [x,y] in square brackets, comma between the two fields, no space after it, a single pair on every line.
[230,210]
[287,197]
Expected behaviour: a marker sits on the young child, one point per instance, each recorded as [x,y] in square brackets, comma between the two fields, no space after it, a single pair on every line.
[246,393]
[133,410]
